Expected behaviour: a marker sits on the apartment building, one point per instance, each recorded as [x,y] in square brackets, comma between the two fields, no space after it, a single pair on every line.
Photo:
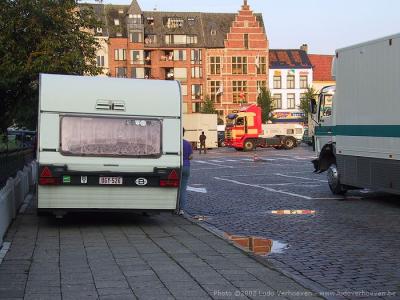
[290,74]
[219,55]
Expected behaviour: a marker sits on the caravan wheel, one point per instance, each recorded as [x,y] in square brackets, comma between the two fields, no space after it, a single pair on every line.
[334,181]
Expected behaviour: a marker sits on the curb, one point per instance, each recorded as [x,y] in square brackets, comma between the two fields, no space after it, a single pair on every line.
[306,283]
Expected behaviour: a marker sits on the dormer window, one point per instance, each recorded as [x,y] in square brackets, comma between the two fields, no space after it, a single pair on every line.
[150,21]
[120,11]
[175,22]
[99,30]
[116,22]
[119,34]
[191,21]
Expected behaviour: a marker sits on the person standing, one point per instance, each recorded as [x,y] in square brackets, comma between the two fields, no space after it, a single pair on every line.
[202,139]
[187,156]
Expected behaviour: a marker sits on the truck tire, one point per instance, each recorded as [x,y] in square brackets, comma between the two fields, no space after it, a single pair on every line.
[248,145]
[289,142]
[334,181]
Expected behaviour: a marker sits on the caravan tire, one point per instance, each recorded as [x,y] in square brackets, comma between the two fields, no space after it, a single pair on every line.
[334,181]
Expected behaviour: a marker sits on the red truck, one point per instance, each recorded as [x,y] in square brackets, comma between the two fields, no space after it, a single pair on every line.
[246,131]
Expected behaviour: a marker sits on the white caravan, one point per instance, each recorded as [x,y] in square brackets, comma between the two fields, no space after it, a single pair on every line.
[196,123]
[358,132]
[108,144]
[283,129]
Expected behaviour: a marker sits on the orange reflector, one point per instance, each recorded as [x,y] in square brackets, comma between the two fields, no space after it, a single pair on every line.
[169,183]
[46,172]
[173,175]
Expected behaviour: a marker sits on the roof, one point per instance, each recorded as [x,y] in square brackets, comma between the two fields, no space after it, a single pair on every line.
[211,29]
[289,59]
[322,67]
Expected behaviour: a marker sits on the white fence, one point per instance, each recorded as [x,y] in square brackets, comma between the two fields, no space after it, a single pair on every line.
[13,195]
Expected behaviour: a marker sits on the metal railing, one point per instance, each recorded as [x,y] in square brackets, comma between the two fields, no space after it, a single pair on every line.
[13,161]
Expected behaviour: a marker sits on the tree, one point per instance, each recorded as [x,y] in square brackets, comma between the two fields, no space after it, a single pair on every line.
[208,106]
[305,102]
[265,101]
[41,36]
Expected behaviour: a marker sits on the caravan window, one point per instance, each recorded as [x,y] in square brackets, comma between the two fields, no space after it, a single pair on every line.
[107,136]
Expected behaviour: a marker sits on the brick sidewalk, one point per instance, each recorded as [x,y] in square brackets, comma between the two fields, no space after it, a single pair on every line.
[123,256]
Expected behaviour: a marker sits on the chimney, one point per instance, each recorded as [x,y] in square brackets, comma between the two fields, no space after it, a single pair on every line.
[304,47]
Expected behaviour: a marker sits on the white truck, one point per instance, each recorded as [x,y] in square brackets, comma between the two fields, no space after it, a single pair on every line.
[108,144]
[358,132]
[195,124]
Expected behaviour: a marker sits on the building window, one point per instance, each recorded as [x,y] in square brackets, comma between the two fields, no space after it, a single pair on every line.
[215,91]
[215,65]
[137,73]
[191,39]
[197,91]
[303,96]
[191,21]
[261,65]
[239,65]
[150,39]
[137,56]
[197,72]
[120,72]
[135,37]
[195,56]
[261,85]
[150,21]
[246,41]
[277,82]
[174,23]
[196,107]
[179,55]
[116,22]
[291,102]
[100,60]
[180,73]
[303,81]
[99,30]
[239,89]
[120,54]
[277,101]
[177,39]
[135,19]
[184,89]
[290,82]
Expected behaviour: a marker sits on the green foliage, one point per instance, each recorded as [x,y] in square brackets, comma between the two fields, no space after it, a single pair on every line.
[40,36]
[305,102]
[208,106]
[265,102]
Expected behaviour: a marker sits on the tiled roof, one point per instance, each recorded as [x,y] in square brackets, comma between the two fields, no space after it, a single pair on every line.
[322,67]
[211,28]
[288,59]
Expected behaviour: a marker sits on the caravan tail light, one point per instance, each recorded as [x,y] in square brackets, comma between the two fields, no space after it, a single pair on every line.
[46,177]
[171,181]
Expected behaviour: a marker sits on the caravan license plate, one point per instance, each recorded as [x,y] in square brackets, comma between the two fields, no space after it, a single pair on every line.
[111,180]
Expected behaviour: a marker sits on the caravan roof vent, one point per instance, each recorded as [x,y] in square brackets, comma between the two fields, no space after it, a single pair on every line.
[118,105]
[103,105]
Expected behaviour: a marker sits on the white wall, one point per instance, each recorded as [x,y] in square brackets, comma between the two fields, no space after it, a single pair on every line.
[284,90]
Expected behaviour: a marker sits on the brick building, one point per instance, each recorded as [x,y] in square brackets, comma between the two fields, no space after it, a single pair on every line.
[221,55]
[322,70]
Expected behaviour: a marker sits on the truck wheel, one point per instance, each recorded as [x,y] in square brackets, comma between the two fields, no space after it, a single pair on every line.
[289,142]
[334,181]
[248,145]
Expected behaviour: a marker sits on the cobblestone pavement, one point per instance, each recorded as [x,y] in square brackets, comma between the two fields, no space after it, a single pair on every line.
[125,256]
[350,245]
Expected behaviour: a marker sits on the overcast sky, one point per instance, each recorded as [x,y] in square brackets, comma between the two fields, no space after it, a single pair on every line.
[323,25]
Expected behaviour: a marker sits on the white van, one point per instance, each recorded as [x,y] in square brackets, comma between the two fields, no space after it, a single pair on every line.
[108,144]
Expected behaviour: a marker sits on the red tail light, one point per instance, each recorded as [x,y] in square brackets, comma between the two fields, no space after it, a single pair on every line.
[46,177]
[172,181]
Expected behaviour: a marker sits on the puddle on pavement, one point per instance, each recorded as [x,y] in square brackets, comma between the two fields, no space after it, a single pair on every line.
[293,212]
[257,245]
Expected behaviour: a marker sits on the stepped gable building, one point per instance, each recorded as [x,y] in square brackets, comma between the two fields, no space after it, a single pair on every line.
[290,74]
[219,55]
